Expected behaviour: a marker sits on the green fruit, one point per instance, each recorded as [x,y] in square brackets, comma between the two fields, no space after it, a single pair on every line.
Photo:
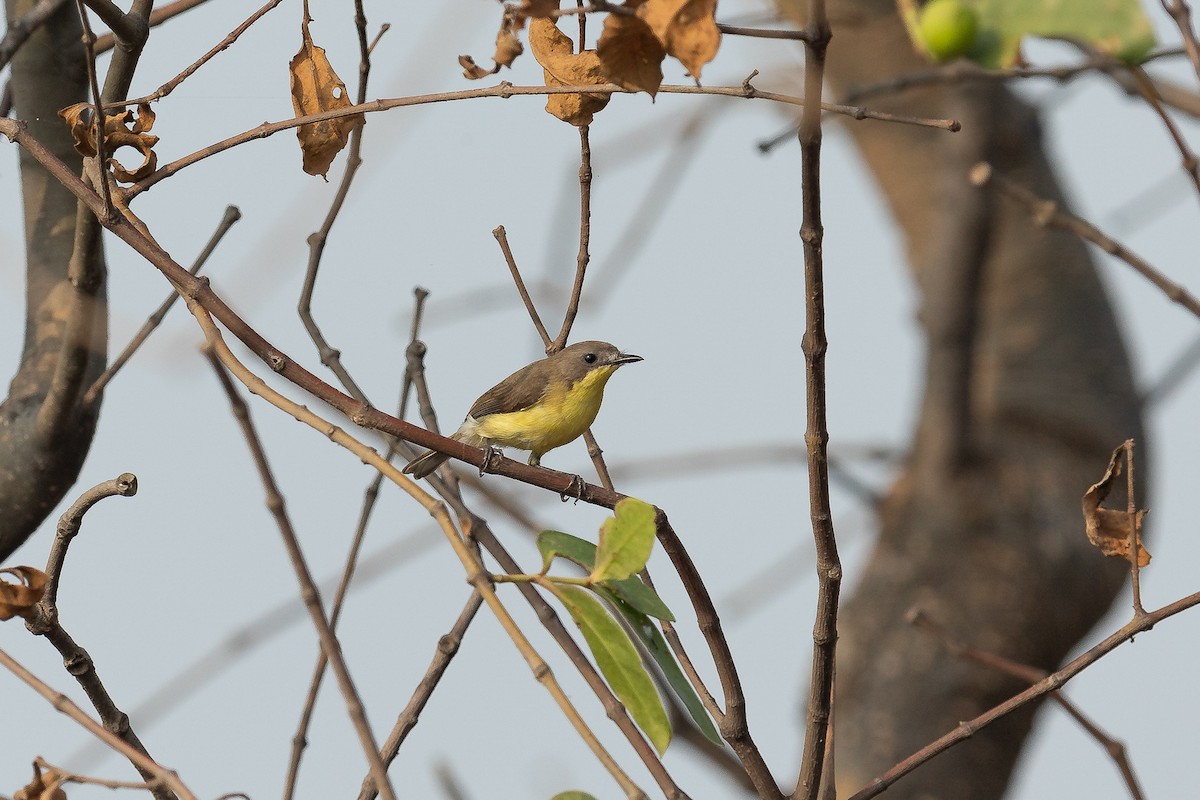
[947,28]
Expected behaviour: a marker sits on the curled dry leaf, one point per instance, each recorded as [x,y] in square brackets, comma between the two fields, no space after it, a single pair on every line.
[687,29]
[126,129]
[631,54]
[508,47]
[1108,529]
[563,67]
[317,88]
[18,598]
[534,9]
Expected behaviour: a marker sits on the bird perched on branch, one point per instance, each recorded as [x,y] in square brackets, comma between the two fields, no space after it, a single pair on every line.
[539,407]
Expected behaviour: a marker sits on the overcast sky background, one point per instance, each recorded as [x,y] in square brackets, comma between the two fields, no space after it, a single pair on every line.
[711,297]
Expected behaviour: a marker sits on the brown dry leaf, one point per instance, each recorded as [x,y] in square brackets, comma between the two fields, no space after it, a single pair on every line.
[687,29]
[126,129]
[1108,529]
[631,54]
[472,71]
[563,67]
[508,47]
[535,9]
[317,88]
[18,598]
[43,788]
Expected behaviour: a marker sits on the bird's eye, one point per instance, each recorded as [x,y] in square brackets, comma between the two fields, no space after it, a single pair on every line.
[590,358]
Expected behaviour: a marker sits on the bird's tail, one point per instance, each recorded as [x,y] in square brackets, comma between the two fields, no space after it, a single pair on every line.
[425,464]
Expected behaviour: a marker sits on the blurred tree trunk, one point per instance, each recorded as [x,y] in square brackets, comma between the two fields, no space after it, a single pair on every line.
[1028,390]
[36,468]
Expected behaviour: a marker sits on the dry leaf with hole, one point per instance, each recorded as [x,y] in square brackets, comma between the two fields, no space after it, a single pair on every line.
[317,88]
[631,54]
[16,599]
[43,787]
[1108,529]
[126,129]
[564,67]
[687,29]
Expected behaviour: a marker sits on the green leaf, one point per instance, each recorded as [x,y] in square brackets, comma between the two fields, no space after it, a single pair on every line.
[660,651]
[574,794]
[572,548]
[1117,27]
[641,597]
[626,540]
[620,663]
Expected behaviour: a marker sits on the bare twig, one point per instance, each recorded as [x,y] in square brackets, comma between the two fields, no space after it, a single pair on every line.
[1132,510]
[584,257]
[43,621]
[124,485]
[232,215]
[300,739]
[502,237]
[1052,682]
[221,46]
[1047,213]
[1030,674]
[159,775]
[158,16]
[21,28]
[308,587]
[506,90]
[1182,14]
[815,344]
[447,647]
[1189,162]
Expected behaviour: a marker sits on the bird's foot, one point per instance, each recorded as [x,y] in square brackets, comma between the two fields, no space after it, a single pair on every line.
[577,488]
[490,454]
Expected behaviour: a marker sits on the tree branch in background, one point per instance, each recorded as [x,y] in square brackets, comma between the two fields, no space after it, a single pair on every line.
[48,73]
[1047,213]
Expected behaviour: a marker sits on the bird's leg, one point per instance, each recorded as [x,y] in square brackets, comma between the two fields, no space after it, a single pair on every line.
[490,454]
[577,488]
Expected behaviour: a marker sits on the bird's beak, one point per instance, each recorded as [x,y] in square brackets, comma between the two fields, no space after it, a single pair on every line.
[626,358]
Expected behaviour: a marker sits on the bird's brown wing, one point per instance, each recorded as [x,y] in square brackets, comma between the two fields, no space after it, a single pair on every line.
[516,392]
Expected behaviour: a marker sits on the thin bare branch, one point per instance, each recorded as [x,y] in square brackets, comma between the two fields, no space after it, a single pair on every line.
[21,28]
[308,587]
[816,437]
[1182,14]
[505,90]
[447,647]
[159,775]
[232,215]
[1051,683]
[502,237]
[1047,213]
[1030,674]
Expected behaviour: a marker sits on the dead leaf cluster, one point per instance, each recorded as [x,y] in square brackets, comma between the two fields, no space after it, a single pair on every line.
[636,39]
[18,599]
[126,129]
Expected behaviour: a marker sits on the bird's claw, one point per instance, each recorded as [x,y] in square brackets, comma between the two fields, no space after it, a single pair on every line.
[577,488]
[490,454]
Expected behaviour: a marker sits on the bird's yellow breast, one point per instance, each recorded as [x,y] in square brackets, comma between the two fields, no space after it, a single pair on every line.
[561,415]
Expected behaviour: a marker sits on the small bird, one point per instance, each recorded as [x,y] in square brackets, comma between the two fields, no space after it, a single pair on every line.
[539,407]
